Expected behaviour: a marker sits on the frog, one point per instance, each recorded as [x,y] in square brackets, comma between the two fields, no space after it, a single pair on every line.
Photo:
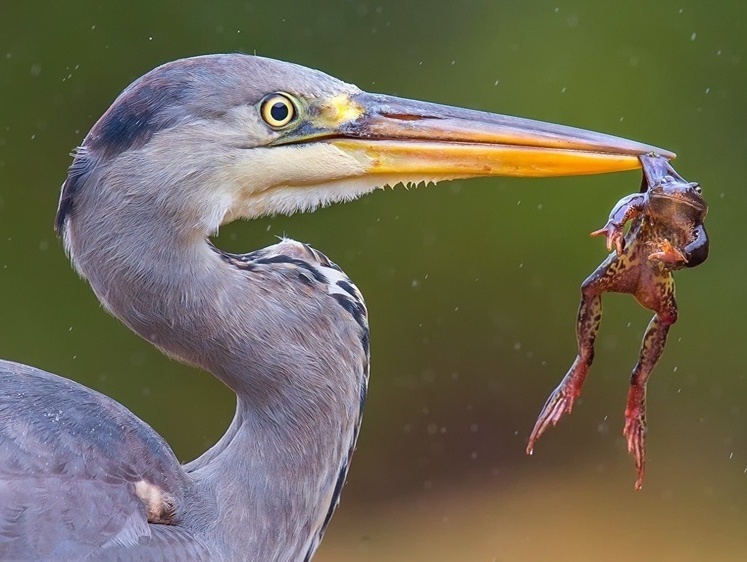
[666,233]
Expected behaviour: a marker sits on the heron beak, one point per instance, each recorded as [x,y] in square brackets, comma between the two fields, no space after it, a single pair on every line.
[400,138]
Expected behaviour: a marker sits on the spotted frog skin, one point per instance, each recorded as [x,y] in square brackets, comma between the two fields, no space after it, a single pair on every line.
[666,234]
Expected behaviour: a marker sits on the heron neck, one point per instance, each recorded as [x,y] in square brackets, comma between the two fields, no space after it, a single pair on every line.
[279,483]
[278,468]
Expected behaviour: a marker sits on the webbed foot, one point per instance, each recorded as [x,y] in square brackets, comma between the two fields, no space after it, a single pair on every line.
[635,431]
[560,402]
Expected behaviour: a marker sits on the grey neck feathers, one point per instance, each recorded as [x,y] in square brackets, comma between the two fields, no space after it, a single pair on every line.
[291,355]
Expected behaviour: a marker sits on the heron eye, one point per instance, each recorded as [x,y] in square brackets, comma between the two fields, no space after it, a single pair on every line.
[277,110]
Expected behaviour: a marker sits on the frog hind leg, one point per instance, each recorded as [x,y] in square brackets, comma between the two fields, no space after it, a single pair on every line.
[587,325]
[652,347]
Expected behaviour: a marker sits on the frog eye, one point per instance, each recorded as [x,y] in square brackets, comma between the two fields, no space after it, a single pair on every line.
[278,110]
[696,187]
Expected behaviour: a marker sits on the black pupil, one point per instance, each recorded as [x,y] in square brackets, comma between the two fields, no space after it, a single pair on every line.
[279,111]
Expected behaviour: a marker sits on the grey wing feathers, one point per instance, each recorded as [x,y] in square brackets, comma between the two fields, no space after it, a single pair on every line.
[166,543]
[69,461]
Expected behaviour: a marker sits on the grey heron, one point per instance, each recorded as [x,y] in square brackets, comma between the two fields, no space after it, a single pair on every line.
[187,147]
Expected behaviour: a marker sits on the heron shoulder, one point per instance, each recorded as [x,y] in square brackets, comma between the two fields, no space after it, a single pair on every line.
[82,452]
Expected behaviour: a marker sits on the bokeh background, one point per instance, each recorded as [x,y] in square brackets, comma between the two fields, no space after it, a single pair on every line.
[472,286]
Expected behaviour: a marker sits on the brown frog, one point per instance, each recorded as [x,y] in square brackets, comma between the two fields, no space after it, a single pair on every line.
[666,234]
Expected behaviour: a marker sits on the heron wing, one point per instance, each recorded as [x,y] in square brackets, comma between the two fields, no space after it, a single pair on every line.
[71,461]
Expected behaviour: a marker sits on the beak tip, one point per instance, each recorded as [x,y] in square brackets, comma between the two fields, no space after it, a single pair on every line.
[668,154]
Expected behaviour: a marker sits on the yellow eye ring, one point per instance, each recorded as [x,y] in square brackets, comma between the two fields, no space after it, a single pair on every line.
[278,110]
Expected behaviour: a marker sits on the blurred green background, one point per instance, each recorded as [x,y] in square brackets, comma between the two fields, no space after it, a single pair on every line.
[472,286]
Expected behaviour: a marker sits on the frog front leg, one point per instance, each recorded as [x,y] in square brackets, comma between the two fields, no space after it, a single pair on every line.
[661,300]
[587,325]
[626,209]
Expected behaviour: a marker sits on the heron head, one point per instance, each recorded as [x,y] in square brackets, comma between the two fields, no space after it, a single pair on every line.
[210,139]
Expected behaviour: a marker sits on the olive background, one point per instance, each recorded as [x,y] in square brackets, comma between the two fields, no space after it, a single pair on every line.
[472,286]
